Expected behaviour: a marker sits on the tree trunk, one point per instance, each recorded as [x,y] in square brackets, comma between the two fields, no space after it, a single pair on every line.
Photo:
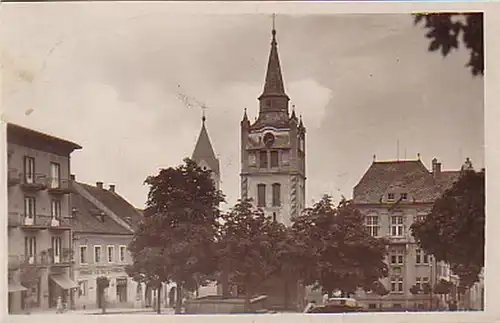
[103,300]
[178,301]
[248,296]
[158,298]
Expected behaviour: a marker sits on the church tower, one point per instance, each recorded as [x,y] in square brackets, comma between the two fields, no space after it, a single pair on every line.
[204,154]
[273,149]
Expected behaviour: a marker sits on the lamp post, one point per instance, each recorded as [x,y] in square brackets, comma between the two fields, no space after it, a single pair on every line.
[431,282]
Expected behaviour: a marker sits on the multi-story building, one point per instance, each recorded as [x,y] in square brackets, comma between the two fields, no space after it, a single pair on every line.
[392,195]
[39,219]
[273,168]
[103,225]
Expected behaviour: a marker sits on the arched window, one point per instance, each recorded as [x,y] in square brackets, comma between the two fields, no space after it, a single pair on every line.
[276,194]
[261,195]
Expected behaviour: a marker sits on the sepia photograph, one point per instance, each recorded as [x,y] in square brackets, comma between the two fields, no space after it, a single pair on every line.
[163,163]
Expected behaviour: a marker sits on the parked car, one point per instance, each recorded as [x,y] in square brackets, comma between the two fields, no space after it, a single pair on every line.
[336,305]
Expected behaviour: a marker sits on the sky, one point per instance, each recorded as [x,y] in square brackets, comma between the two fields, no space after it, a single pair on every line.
[108,78]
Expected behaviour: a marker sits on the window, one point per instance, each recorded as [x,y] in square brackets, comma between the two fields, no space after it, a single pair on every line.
[420,281]
[55,175]
[29,169]
[82,288]
[420,218]
[285,157]
[56,249]
[397,257]
[421,257]
[397,285]
[111,251]
[30,248]
[263,159]
[276,194]
[261,195]
[29,206]
[397,305]
[83,254]
[97,254]
[372,225]
[122,253]
[274,216]
[404,196]
[397,228]
[390,196]
[274,159]
[372,306]
[55,209]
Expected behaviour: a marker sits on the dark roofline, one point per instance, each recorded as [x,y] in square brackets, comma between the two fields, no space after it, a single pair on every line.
[396,161]
[27,131]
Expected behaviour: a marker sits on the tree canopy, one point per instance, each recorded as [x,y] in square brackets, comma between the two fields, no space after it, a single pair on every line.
[334,251]
[250,246]
[447,31]
[175,242]
[454,229]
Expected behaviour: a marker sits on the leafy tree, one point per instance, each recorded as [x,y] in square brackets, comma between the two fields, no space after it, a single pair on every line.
[446,31]
[333,249]
[175,242]
[454,229]
[380,290]
[443,287]
[415,290]
[250,247]
[427,290]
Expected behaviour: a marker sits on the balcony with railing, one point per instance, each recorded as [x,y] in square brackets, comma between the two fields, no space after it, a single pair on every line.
[37,222]
[33,182]
[61,259]
[14,176]
[58,186]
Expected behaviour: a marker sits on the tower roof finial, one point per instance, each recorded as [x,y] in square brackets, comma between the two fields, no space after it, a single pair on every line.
[274,86]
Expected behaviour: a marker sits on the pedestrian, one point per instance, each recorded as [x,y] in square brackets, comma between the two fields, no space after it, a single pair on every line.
[59,305]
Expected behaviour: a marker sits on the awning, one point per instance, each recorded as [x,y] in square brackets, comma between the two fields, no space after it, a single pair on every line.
[64,281]
[16,287]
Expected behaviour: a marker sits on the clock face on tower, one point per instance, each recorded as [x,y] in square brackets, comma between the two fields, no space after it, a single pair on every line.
[268,139]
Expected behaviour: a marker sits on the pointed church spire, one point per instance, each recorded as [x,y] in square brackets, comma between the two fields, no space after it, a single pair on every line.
[273,86]
[203,151]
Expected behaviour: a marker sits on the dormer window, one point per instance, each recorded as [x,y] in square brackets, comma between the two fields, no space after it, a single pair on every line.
[404,196]
[390,196]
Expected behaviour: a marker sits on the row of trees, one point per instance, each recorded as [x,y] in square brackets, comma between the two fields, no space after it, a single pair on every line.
[184,238]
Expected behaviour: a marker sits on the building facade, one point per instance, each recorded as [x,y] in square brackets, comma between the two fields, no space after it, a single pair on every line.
[273,155]
[392,195]
[39,220]
[103,226]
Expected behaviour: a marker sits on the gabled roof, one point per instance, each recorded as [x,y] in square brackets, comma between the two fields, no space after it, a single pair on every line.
[87,218]
[116,203]
[203,151]
[409,176]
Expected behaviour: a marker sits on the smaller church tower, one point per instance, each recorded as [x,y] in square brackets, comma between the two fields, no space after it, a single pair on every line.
[204,154]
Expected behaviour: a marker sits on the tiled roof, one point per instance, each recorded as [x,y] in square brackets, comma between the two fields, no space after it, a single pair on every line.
[116,204]
[407,176]
[87,218]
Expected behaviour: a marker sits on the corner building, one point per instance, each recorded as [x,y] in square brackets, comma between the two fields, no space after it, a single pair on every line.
[273,150]
[39,220]
[392,195]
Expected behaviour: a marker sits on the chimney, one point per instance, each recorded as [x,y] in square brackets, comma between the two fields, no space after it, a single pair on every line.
[72,177]
[112,188]
[436,167]
[99,185]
